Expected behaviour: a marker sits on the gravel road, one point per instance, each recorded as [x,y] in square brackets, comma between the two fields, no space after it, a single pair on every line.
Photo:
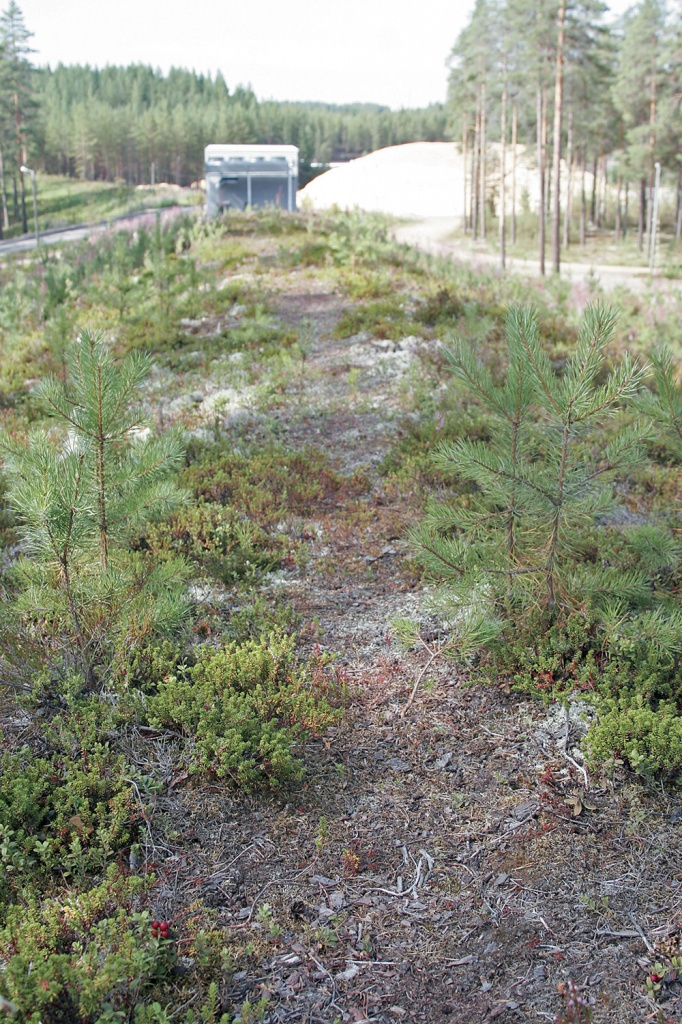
[434,235]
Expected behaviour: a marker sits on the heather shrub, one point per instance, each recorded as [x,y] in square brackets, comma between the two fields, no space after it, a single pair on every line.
[246,705]
[68,812]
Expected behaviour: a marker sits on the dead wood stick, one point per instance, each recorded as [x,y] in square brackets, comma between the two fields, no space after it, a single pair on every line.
[420,676]
[643,937]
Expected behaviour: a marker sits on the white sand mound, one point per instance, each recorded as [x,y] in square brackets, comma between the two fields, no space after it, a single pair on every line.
[424,179]
[419,179]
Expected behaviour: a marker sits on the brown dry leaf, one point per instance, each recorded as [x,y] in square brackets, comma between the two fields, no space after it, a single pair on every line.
[500,1009]
[575,804]
[78,825]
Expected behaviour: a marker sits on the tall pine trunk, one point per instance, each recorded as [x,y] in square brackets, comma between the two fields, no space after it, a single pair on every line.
[593,202]
[465,161]
[556,155]
[570,160]
[583,200]
[642,208]
[481,207]
[515,120]
[541,181]
[652,154]
[503,174]
[619,189]
[546,163]
[475,178]
[3,194]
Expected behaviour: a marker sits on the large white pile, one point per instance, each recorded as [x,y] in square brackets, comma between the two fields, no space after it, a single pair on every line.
[419,179]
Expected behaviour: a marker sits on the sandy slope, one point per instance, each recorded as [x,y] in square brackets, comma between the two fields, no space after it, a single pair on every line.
[419,179]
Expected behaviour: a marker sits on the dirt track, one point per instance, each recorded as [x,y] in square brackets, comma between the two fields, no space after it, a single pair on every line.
[434,867]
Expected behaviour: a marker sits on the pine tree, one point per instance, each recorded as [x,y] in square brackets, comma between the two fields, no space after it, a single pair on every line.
[471,61]
[16,84]
[637,95]
[664,405]
[542,479]
[533,24]
[80,499]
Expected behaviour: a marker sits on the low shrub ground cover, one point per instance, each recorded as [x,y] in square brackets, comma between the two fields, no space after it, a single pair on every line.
[177,668]
[245,705]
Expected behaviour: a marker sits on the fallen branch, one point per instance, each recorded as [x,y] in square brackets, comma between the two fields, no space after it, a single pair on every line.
[420,676]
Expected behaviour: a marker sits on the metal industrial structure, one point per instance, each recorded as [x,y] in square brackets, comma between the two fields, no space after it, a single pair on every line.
[239,176]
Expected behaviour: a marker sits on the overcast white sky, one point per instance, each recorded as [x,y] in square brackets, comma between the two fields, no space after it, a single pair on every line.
[337,51]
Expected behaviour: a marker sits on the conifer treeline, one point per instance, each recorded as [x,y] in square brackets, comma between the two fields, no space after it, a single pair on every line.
[116,121]
[602,100]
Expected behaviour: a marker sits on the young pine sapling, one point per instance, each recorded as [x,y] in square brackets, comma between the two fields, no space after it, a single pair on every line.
[81,496]
[541,480]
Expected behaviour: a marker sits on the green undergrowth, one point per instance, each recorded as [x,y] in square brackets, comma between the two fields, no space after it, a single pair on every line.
[246,705]
[102,638]
[266,482]
[554,537]
[94,955]
[219,541]
[64,815]
[236,528]
[382,318]
[77,883]
[106,705]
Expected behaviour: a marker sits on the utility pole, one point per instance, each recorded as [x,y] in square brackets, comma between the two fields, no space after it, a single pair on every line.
[27,170]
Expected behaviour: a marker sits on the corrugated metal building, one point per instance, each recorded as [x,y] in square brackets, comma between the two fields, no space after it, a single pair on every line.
[242,176]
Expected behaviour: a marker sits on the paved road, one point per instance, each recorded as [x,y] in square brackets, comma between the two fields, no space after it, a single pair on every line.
[27,242]
[128,221]
[433,236]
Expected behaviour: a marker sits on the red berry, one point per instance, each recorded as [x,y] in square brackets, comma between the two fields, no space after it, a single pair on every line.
[156,924]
